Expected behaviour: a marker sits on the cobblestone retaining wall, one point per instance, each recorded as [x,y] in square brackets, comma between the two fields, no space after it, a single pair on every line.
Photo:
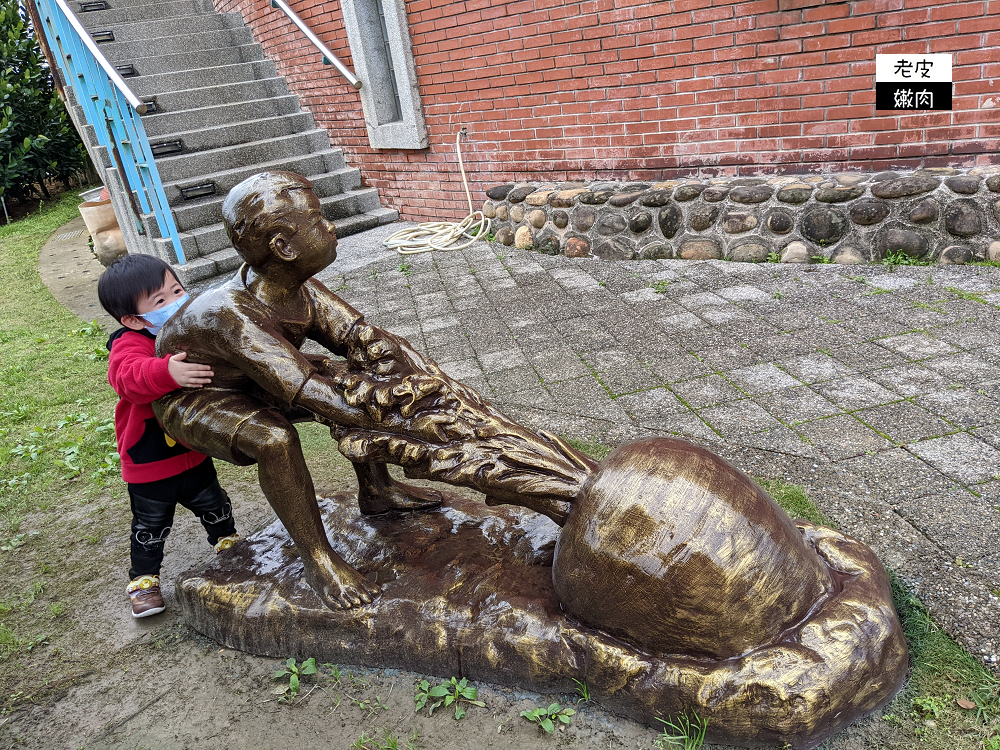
[939,214]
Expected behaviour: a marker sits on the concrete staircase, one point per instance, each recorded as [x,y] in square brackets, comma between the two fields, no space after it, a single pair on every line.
[222,113]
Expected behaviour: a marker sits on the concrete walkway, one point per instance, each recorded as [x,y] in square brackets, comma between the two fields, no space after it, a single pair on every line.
[876,389]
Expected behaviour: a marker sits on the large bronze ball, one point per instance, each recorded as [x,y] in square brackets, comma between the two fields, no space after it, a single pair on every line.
[675,550]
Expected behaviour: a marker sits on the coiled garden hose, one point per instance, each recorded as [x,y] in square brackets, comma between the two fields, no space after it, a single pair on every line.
[442,235]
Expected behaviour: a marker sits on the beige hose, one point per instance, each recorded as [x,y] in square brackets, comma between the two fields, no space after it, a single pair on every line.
[442,235]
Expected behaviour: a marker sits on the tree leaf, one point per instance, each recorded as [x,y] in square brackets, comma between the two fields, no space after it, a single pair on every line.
[966,704]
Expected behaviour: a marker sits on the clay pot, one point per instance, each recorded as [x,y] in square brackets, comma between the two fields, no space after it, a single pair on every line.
[109,244]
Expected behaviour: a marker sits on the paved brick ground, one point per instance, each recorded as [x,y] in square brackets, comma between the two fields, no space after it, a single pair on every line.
[874,388]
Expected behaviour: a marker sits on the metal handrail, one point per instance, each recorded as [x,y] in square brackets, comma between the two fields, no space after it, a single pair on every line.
[134,101]
[328,56]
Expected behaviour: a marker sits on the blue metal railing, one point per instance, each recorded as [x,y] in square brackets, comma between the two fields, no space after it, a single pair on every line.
[113,110]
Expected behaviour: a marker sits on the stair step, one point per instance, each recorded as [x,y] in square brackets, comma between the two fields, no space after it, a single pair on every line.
[307,165]
[116,15]
[201,269]
[170,123]
[124,52]
[228,93]
[191,166]
[235,134]
[336,202]
[167,28]
[150,65]
[153,85]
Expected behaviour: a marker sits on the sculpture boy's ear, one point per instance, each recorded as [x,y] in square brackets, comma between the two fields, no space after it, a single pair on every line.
[281,248]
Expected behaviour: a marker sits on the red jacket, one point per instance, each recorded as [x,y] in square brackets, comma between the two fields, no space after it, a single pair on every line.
[139,377]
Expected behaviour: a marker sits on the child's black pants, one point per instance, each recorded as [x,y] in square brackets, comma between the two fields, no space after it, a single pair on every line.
[153,503]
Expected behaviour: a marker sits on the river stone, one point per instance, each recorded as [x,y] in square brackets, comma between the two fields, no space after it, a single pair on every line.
[715,193]
[798,192]
[747,181]
[539,197]
[536,218]
[623,199]
[518,194]
[617,248]
[996,210]
[965,184]
[656,198]
[924,212]
[659,250]
[734,222]
[938,170]
[517,213]
[751,194]
[848,256]
[638,219]
[577,247]
[955,255]
[671,219]
[560,219]
[795,252]
[505,235]
[489,210]
[522,238]
[823,225]
[993,183]
[912,243]
[780,222]
[867,213]
[583,219]
[962,218]
[749,252]
[502,212]
[596,197]
[885,177]
[548,245]
[565,198]
[688,192]
[839,194]
[611,224]
[702,216]
[700,249]
[993,254]
[904,186]
[499,192]
[852,178]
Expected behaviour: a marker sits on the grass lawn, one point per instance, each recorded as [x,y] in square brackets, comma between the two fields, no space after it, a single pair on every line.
[64,517]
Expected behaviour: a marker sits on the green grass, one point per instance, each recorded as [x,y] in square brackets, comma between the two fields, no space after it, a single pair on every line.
[900,258]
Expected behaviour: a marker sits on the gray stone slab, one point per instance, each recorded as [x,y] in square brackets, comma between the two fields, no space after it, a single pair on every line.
[587,398]
[557,363]
[795,405]
[842,436]
[966,368]
[827,336]
[646,407]
[917,346]
[706,391]
[779,439]
[891,475]
[628,379]
[866,356]
[904,422]
[782,346]
[738,418]
[961,523]
[762,378]
[677,367]
[962,407]
[855,392]
[910,379]
[722,358]
[505,359]
[815,368]
[961,457]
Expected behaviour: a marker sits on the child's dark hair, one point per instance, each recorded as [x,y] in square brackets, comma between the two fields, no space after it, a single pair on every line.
[126,280]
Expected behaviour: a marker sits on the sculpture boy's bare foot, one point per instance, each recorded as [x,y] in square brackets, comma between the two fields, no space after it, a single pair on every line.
[378,492]
[396,496]
[339,585]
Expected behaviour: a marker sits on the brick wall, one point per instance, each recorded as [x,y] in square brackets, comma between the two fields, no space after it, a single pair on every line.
[623,89]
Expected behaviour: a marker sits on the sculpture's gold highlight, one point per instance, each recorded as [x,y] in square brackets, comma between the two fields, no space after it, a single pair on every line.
[687,588]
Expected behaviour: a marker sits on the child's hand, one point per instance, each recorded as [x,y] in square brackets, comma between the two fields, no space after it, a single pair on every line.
[188,374]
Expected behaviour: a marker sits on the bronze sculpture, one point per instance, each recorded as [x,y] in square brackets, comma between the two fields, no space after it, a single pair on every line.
[729,607]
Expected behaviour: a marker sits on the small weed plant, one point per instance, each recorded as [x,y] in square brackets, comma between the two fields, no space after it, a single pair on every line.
[454,692]
[683,732]
[548,717]
[294,672]
[899,258]
[773,257]
[582,690]
[660,287]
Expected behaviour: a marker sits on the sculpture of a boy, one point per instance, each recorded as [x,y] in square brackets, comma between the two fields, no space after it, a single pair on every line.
[250,329]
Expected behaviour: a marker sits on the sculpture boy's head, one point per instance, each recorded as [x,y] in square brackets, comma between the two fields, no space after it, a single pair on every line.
[274,219]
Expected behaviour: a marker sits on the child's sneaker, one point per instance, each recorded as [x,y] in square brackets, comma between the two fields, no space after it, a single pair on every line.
[144,592]
[226,542]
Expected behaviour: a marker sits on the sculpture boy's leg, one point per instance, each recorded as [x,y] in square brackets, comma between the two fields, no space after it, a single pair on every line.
[378,492]
[272,441]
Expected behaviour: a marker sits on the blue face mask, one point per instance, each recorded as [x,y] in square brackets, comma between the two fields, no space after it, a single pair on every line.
[161,315]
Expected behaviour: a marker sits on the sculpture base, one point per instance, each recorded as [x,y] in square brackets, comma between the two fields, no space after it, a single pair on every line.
[467,591]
